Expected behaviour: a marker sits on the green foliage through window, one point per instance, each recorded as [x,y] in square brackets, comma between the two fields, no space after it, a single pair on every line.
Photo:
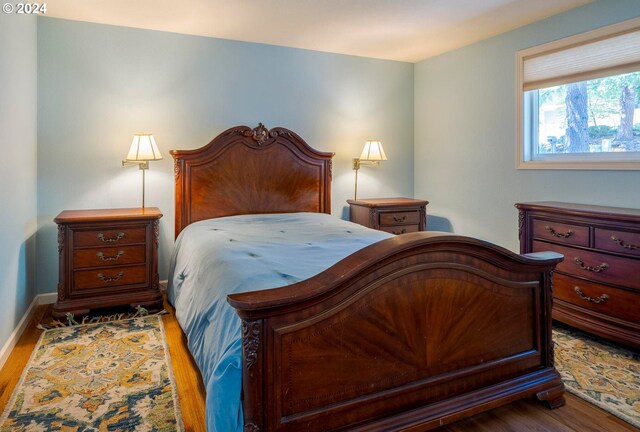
[595,116]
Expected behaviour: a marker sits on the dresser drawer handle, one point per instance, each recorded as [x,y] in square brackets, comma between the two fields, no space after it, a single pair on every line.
[597,269]
[621,243]
[558,234]
[603,298]
[399,219]
[110,240]
[115,257]
[402,231]
[115,278]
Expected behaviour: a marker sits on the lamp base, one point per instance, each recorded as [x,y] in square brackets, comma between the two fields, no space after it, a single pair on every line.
[143,165]
[357,163]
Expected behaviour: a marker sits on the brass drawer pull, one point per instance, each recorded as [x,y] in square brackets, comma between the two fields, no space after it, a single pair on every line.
[115,257]
[399,219]
[115,278]
[621,243]
[603,298]
[110,240]
[597,269]
[402,231]
[558,234]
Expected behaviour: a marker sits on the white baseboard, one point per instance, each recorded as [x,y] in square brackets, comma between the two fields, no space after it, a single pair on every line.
[40,299]
[48,298]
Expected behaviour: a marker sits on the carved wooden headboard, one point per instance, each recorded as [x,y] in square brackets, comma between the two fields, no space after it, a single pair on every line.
[245,170]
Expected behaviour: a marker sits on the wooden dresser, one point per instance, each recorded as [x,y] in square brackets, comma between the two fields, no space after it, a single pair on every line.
[107,258]
[597,286]
[393,215]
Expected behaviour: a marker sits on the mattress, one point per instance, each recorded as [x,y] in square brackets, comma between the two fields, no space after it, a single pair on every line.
[217,257]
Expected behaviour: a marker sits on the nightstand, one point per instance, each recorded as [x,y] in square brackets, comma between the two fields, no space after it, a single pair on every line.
[108,258]
[393,215]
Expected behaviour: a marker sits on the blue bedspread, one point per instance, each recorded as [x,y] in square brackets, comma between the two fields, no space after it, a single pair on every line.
[217,257]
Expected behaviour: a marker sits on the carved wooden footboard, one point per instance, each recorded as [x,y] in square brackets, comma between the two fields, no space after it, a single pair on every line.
[407,334]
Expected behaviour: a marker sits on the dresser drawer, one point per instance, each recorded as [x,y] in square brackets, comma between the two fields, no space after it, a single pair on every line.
[606,300]
[622,242]
[577,235]
[595,265]
[110,237]
[400,229]
[400,218]
[108,277]
[109,256]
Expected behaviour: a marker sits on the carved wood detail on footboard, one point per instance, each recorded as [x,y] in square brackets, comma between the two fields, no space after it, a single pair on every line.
[409,333]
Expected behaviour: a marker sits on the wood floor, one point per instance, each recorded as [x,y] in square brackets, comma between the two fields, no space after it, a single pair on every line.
[525,415]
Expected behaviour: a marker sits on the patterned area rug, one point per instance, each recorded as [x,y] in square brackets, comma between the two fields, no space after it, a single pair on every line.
[97,377]
[71,320]
[601,373]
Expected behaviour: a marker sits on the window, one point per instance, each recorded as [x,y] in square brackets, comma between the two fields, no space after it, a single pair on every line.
[579,101]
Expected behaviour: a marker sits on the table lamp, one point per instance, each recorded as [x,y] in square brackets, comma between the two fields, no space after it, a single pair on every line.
[143,149]
[371,155]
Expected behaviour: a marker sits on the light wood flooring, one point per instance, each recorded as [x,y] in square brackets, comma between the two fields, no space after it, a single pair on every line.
[525,415]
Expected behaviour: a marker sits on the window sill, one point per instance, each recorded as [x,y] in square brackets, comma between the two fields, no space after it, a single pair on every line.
[579,165]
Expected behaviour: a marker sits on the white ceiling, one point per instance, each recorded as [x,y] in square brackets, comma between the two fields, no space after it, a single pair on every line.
[405,30]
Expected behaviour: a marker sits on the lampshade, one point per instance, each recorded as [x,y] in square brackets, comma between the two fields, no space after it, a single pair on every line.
[373,151]
[143,148]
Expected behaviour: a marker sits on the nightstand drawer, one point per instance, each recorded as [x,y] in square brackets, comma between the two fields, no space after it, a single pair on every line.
[595,266]
[577,235]
[400,218]
[606,300]
[393,215]
[400,229]
[110,236]
[112,276]
[109,256]
[623,242]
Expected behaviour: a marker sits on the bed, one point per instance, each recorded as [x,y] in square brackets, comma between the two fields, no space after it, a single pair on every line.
[355,329]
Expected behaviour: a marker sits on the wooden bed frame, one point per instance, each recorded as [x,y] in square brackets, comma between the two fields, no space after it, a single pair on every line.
[410,333]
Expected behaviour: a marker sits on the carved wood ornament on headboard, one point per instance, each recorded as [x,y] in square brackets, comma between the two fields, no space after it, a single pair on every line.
[250,170]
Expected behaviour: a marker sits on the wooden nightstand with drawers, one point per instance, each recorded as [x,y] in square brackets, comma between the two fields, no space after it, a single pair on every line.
[107,258]
[393,215]
[597,286]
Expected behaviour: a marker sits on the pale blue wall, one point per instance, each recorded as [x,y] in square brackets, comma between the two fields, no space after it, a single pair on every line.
[18,172]
[98,85]
[465,119]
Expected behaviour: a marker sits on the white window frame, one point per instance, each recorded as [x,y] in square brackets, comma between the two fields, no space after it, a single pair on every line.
[527,109]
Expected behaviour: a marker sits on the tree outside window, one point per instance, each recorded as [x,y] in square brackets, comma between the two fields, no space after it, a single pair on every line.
[595,116]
